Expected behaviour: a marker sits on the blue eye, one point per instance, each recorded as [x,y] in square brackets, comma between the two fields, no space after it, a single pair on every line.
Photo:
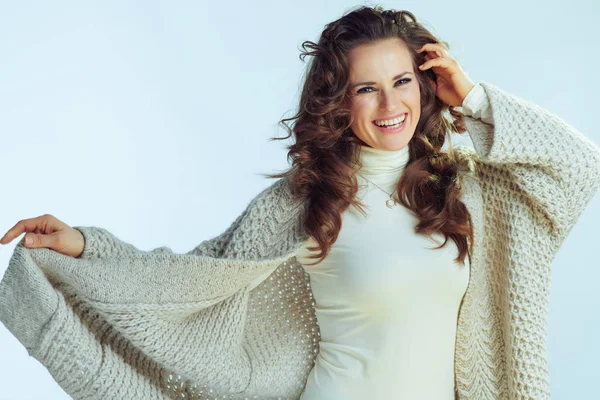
[362,90]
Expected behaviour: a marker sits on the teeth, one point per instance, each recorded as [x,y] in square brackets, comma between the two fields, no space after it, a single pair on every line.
[391,121]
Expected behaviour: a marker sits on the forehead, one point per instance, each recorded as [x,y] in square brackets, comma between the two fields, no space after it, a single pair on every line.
[386,56]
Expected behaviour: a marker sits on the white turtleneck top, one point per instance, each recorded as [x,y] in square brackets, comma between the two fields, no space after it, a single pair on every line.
[386,304]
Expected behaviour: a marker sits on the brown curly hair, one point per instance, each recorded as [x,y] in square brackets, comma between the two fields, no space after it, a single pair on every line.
[325,148]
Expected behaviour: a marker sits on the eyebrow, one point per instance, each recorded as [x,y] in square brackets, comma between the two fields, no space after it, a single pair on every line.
[373,83]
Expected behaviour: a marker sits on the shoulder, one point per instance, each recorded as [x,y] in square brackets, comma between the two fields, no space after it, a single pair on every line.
[276,195]
[275,204]
[273,221]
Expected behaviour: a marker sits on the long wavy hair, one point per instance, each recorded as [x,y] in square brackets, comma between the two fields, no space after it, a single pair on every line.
[326,151]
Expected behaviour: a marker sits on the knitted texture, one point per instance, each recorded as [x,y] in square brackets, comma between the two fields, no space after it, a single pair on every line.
[122,323]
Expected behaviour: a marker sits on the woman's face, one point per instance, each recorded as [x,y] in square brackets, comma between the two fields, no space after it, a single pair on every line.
[380,91]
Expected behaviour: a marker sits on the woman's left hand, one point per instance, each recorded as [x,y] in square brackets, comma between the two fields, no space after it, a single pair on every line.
[453,84]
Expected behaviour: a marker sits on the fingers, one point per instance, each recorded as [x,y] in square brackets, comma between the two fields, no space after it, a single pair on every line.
[436,48]
[436,56]
[27,225]
[435,62]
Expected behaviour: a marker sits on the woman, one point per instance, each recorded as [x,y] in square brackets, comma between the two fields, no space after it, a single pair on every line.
[307,295]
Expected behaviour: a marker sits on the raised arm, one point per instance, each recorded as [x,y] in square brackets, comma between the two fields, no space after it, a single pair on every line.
[524,145]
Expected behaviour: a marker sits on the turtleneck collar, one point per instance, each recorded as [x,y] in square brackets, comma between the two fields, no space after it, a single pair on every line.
[384,167]
[377,161]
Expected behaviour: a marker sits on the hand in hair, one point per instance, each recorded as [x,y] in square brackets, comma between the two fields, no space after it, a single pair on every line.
[453,83]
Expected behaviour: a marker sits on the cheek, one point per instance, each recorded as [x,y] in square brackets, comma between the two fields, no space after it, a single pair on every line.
[361,110]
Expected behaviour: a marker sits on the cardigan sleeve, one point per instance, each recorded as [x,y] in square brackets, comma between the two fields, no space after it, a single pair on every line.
[75,323]
[233,242]
[146,302]
[101,243]
[555,166]
[37,314]
[28,301]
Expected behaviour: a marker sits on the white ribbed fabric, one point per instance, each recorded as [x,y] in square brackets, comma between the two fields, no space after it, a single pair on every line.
[387,304]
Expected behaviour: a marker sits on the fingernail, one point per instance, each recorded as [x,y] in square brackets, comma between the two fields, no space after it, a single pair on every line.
[28,240]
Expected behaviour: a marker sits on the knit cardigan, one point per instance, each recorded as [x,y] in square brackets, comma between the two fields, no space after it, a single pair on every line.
[234,317]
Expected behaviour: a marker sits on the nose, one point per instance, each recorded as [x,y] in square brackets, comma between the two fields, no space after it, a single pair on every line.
[388,100]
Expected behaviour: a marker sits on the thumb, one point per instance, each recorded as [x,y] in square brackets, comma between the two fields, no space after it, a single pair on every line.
[34,240]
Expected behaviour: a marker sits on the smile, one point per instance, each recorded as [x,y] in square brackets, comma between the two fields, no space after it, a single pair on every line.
[391,126]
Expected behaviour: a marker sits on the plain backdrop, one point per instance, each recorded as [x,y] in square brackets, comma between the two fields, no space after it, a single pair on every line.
[151,119]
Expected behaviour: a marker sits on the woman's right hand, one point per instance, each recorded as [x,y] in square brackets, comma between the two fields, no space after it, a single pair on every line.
[50,232]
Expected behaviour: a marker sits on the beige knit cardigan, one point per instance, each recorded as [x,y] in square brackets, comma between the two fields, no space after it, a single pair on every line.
[235,316]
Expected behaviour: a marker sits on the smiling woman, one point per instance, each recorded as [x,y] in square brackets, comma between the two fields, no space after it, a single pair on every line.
[354,86]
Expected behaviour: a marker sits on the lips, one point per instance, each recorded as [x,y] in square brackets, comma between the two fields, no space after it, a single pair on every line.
[387,130]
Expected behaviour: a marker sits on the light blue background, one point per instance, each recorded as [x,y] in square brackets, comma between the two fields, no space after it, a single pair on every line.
[151,119]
